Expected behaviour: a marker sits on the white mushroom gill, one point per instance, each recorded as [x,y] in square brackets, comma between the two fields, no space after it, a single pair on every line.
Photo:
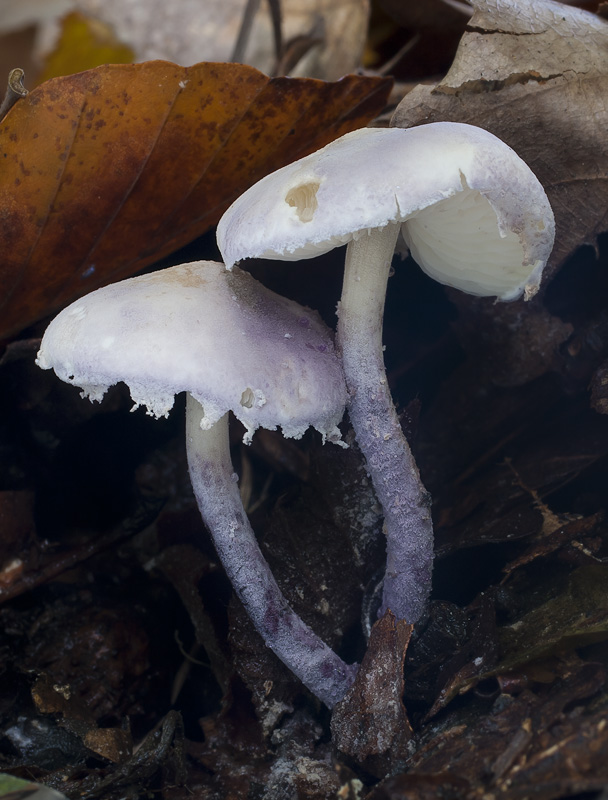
[439,238]
[304,199]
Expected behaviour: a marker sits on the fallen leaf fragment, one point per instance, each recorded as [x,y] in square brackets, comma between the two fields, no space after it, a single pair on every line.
[106,171]
[114,744]
[510,360]
[548,744]
[575,617]
[370,724]
[577,537]
[535,73]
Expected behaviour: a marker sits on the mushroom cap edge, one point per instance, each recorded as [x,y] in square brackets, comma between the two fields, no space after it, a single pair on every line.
[222,336]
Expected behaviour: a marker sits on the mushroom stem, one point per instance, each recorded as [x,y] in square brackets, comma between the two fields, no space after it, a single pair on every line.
[395,476]
[217,494]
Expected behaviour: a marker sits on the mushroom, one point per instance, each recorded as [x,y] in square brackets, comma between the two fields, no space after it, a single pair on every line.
[474,217]
[233,345]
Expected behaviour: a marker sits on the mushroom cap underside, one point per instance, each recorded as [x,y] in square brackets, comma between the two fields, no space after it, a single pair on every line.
[222,336]
[499,221]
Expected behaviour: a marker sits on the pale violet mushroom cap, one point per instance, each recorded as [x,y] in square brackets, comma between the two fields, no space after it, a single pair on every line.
[474,215]
[221,336]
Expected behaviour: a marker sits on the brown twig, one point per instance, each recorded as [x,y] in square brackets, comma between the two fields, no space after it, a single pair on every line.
[14,91]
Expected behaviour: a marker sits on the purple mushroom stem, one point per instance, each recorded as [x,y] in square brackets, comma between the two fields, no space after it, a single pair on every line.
[217,494]
[392,468]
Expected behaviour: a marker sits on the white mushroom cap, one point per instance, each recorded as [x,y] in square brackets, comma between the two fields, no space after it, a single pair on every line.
[475,216]
[222,336]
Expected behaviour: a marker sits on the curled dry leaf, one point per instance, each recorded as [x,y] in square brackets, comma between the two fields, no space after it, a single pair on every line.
[106,171]
[535,73]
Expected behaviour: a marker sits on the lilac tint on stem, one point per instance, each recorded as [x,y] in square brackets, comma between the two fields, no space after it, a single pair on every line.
[217,494]
[406,504]
[391,465]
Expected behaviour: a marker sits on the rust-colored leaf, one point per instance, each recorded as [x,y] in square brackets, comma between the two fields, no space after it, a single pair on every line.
[106,171]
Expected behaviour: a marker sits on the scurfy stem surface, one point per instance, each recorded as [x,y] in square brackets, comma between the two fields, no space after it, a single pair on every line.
[217,494]
[395,476]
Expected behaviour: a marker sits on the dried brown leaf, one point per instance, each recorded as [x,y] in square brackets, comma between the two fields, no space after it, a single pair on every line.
[114,744]
[536,75]
[576,616]
[544,745]
[370,724]
[106,171]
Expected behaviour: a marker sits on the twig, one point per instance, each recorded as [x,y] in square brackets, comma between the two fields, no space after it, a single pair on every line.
[251,9]
[15,91]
